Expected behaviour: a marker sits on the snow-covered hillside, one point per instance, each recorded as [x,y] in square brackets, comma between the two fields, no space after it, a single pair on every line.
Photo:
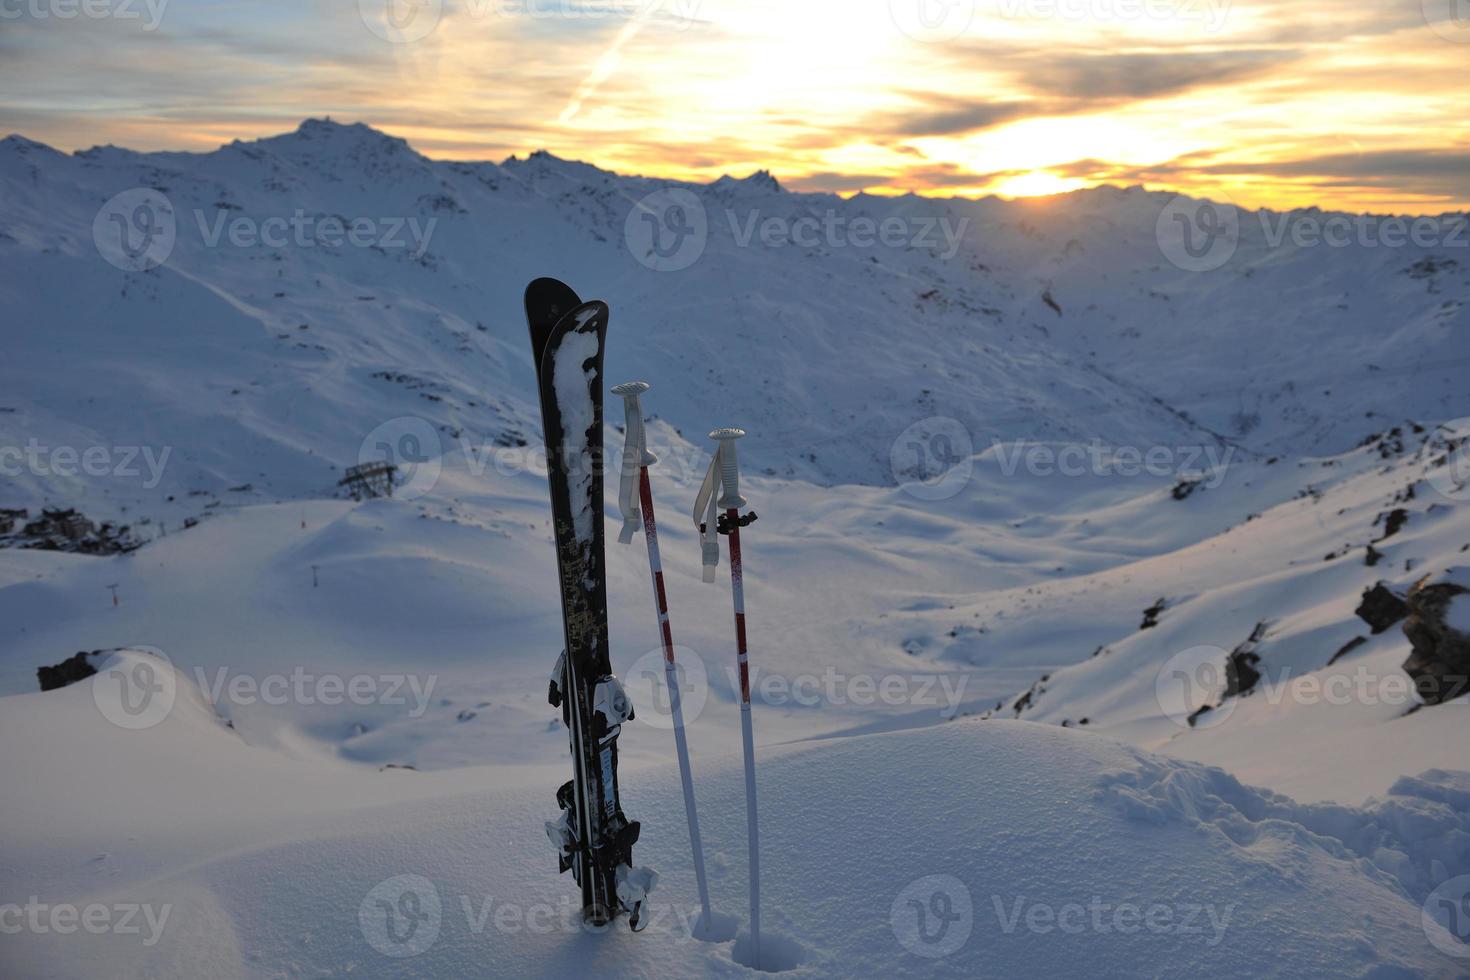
[982,453]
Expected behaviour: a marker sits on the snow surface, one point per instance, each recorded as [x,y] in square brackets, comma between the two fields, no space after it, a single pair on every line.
[1305,389]
[1062,853]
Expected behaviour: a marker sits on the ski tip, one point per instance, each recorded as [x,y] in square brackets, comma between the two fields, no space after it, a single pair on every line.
[548,300]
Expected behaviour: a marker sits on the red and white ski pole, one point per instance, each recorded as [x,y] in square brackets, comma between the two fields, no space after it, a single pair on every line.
[635,500]
[724,470]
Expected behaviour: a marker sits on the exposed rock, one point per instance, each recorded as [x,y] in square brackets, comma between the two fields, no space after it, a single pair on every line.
[1393,522]
[1439,629]
[74,668]
[1381,608]
[1151,614]
[1184,488]
[1240,666]
[1347,648]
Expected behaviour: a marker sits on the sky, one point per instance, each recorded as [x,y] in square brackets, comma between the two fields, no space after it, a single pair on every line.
[1358,105]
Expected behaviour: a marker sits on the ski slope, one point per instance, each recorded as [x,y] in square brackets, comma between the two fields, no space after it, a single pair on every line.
[897,631]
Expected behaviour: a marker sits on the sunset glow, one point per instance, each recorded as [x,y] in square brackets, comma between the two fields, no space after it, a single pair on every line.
[1319,102]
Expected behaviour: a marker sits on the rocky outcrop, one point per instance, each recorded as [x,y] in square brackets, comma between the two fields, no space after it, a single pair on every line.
[74,668]
[1381,608]
[1439,629]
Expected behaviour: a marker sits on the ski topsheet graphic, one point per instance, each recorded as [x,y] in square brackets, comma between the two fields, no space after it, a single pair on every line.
[594,838]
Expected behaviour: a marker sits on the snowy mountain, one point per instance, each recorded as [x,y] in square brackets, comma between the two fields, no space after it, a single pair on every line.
[989,441]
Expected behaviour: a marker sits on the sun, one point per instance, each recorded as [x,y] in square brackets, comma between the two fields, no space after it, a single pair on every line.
[1036,183]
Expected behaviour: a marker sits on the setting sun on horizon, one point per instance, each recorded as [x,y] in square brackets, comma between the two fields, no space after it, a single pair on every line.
[1322,102]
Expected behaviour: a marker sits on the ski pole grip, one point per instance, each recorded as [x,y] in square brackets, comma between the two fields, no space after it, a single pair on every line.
[729,467]
[631,392]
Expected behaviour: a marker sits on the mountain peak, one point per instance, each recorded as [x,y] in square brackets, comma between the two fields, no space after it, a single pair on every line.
[23,146]
[327,133]
[761,180]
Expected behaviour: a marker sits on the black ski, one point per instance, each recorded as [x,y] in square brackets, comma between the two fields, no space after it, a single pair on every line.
[595,839]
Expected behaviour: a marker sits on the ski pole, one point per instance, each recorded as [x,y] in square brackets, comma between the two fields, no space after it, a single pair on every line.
[637,458]
[725,470]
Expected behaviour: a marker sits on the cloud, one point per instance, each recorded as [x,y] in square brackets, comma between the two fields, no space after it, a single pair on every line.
[1091,78]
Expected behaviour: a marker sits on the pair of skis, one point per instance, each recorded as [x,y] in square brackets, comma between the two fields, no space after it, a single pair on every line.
[594,837]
